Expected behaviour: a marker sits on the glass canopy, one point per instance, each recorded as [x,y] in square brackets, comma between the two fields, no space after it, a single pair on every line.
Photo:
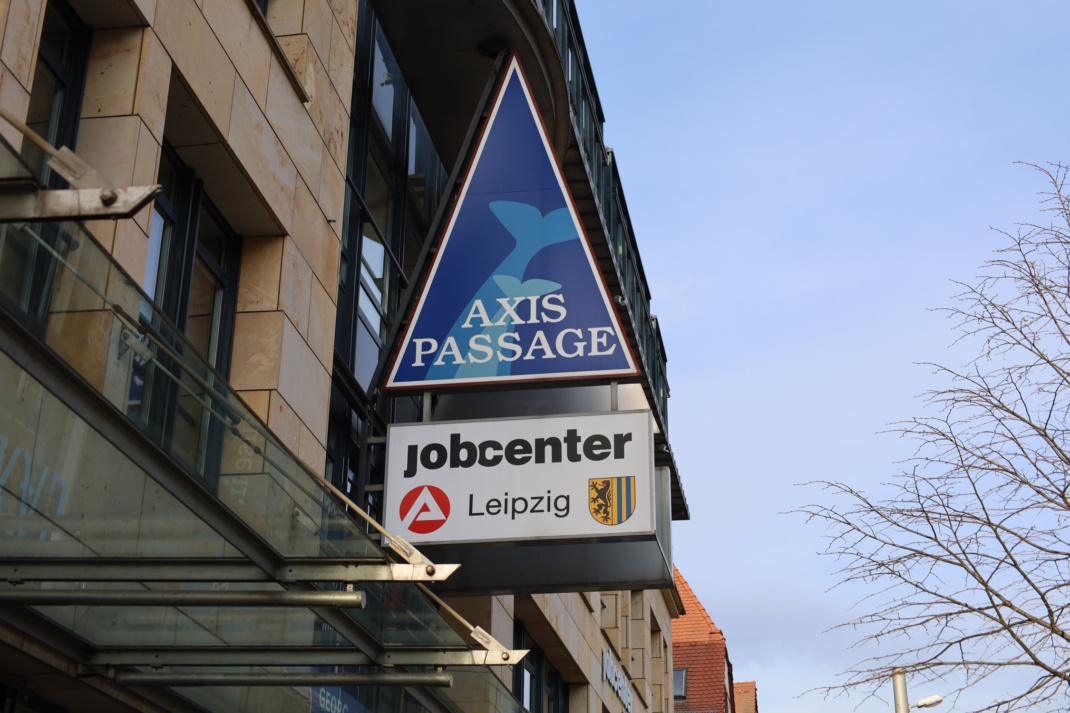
[128,465]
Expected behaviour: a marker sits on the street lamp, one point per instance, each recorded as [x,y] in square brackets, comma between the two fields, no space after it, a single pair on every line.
[899,687]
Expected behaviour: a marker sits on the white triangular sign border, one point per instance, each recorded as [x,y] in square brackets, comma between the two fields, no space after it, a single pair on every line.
[392,384]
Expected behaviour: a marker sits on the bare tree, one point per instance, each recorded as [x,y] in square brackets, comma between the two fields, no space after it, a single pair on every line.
[967,552]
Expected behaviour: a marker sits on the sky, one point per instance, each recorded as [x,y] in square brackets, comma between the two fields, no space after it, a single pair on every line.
[806,178]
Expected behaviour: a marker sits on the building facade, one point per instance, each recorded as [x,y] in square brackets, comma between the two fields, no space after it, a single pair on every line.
[703,681]
[746,696]
[193,427]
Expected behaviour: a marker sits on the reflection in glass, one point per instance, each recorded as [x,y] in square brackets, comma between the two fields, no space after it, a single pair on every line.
[426,176]
[43,115]
[384,75]
[373,255]
[17,251]
[367,308]
[50,81]
[367,356]
[160,231]
[57,35]
[205,308]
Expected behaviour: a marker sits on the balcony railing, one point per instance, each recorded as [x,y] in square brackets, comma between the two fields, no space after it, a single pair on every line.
[602,171]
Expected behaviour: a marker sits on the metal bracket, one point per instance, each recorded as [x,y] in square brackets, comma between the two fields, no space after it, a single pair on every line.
[74,204]
[487,641]
[407,552]
[390,572]
[75,171]
[208,569]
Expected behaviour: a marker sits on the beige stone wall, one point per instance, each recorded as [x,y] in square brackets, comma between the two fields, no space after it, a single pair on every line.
[574,629]
[20,36]
[261,112]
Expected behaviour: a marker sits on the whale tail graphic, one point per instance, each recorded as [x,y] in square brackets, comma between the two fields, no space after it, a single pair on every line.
[532,231]
[512,287]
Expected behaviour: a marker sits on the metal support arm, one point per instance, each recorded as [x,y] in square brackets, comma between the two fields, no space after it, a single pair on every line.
[295,656]
[43,204]
[103,569]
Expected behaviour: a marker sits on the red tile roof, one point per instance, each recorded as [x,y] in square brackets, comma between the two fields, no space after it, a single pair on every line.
[699,646]
[695,625]
[746,696]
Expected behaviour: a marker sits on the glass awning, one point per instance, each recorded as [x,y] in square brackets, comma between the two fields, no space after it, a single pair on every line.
[153,524]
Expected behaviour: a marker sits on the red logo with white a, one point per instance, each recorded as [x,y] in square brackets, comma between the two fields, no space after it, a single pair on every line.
[424,509]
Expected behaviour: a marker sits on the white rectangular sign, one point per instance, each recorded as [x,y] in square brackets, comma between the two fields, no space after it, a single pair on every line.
[578,476]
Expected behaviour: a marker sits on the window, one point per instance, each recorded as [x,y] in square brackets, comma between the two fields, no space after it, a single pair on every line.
[394,182]
[54,104]
[679,683]
[191,271]
[58,83]
[191,276]
[536,684]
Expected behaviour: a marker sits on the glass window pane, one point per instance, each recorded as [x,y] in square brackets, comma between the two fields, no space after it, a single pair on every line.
[679,682]
[168,178]
[384,75]
[373,266]
[378,197]
[424,167]
[367,356]
[43,114]
[17,253]
[367,308]
[57,35]
[159,247]
[205,311]
[411,252]
[212,236]
[373,259]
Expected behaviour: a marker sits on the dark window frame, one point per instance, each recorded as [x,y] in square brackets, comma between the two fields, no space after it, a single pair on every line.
[185,214]
[70,74]
[546,684]
[38,269]
[359,414]
[679,692]
[160,407]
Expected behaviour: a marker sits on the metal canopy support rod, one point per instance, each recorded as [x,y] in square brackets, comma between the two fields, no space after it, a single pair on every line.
[488,642]
[142,597]
[214,570]
[294,656]
[391,678]
[131,570]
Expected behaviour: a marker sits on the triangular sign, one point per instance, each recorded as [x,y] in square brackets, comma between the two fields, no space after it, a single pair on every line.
[514,293]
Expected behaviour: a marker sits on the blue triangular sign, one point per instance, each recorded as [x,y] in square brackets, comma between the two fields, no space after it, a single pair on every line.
[514,294]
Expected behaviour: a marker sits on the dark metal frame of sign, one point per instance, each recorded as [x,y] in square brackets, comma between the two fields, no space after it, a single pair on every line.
[514,295]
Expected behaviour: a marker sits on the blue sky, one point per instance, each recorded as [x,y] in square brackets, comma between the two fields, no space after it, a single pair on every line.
[806,178]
